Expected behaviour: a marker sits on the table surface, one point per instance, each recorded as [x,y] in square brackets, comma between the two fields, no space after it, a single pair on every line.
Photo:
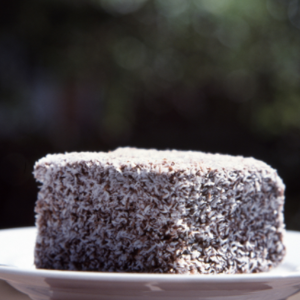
[9,293]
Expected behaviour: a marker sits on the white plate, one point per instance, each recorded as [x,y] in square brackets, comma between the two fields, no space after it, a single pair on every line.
[16,252]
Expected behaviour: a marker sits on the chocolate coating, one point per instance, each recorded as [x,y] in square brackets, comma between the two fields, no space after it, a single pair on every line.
[134,210]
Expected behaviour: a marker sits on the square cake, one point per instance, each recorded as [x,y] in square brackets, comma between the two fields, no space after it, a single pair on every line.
[135,210]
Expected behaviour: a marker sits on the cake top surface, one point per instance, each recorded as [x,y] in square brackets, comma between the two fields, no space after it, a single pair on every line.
[175,159]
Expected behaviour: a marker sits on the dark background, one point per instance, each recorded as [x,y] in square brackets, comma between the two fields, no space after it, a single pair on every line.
[217,76]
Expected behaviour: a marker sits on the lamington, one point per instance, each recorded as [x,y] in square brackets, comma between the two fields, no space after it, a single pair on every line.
[150,211]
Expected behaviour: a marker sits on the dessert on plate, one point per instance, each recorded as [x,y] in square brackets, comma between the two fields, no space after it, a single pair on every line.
[136,210]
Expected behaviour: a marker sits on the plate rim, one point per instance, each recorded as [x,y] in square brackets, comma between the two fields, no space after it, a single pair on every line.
[141,277]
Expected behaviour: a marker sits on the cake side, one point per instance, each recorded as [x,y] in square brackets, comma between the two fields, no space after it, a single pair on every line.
[142,211]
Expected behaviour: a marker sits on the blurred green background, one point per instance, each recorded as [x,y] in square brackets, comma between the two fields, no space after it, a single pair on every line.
[92,75]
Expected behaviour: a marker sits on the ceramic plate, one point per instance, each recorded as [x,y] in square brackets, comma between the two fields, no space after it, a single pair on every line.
[16,267]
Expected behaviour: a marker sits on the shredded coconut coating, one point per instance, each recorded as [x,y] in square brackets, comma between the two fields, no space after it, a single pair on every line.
[134,210]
